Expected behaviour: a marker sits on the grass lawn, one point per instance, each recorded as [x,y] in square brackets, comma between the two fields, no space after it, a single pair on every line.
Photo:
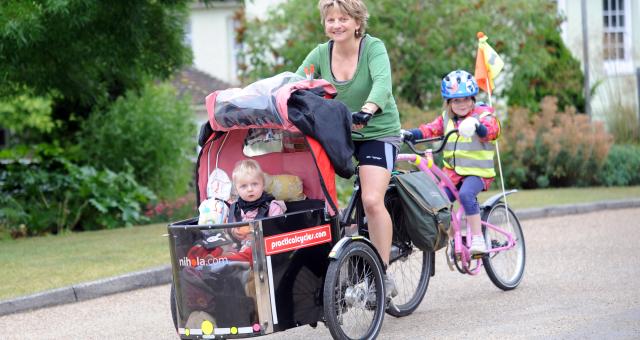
[41,263]
[31,265]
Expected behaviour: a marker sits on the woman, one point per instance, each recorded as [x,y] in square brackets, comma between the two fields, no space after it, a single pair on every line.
[358,66]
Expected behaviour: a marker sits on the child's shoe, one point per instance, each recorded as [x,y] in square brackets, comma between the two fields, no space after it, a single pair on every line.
[478,246]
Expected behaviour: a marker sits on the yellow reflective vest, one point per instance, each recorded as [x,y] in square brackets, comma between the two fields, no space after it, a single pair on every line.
[468,156]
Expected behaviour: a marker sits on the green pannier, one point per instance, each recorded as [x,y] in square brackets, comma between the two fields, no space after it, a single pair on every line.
[426,213]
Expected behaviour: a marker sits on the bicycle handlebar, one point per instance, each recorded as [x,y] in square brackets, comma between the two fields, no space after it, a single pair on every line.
[361,118]
[445,138]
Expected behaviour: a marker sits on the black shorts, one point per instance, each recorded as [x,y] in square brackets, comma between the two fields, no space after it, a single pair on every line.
[375,152]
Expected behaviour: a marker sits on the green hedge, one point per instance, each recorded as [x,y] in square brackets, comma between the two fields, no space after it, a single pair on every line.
[622,167]
[55,195]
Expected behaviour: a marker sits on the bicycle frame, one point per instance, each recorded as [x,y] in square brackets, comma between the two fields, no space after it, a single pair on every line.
[427,165]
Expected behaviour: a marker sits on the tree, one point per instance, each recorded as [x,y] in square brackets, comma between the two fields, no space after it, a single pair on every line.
[87,53]
[427,39]
[65,67]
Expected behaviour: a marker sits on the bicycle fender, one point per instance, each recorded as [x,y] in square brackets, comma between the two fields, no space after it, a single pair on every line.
[338,248]
[493,200]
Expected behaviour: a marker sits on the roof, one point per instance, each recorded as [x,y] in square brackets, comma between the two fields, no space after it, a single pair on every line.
[197,84]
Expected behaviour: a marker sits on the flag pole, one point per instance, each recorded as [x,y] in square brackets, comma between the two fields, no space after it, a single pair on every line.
[504,195]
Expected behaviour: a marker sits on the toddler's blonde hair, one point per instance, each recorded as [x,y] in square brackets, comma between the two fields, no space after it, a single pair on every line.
[247,167]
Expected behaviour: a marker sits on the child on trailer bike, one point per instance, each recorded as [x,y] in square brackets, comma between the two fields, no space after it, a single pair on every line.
[468,155]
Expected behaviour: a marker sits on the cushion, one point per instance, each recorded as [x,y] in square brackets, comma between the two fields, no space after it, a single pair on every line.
[284,187]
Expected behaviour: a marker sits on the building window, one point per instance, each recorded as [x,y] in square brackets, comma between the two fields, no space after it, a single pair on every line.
[616,40]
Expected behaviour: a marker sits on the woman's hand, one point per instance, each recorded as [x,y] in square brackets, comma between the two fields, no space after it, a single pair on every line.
[360,119]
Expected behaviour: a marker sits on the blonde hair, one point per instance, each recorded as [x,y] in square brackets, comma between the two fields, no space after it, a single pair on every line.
[353,8]
[247,167]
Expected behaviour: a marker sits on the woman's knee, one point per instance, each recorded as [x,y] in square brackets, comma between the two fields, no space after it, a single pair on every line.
[373,203]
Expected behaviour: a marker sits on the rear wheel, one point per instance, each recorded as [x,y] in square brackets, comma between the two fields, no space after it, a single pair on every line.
[411,273]
[505,268]
[353,293]
[410,267]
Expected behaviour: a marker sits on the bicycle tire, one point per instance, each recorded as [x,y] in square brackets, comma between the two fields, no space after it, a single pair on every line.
[174,308]
[411,273]
[353,291]
[412,269]
[505,268]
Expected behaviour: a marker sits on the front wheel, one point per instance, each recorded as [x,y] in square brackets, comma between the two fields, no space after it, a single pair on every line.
[505,268]
[353,294]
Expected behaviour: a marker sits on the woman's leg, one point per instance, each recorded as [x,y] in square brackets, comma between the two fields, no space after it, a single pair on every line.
[373,182]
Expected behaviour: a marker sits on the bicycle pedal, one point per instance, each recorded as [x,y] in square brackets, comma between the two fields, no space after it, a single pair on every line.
[477,256]
[389,305]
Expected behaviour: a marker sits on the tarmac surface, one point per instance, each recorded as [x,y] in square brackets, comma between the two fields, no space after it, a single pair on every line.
[162,275]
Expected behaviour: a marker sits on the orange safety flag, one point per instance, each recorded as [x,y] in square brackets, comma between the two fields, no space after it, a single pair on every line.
[488,64]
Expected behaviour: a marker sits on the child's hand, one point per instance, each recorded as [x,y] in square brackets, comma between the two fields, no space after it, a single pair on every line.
[411,134]
[468,127]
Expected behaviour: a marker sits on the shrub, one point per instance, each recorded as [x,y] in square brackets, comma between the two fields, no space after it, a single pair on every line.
[152,131]
[552,148]
[622,166]
[622,121]
[171,211]
[55,195]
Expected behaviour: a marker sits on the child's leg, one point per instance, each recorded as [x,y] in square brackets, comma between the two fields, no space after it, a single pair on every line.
[469,190]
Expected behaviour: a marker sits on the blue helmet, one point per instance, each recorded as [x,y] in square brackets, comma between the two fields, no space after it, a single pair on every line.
[459,84]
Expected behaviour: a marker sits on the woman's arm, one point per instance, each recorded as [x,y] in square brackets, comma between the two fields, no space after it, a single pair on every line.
[380,71]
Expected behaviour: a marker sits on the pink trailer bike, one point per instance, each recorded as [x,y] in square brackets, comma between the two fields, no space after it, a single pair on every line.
[506,252]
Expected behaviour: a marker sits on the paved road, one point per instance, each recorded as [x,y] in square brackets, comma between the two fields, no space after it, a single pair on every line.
[582,280]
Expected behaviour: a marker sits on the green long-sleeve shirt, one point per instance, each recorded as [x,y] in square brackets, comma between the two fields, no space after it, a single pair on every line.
[370,83]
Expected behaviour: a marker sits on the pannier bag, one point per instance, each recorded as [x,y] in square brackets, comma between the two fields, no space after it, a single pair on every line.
[426,210]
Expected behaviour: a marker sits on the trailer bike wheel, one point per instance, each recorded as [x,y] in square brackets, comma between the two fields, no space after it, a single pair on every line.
[505,268]
[174,308]
[354,294]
